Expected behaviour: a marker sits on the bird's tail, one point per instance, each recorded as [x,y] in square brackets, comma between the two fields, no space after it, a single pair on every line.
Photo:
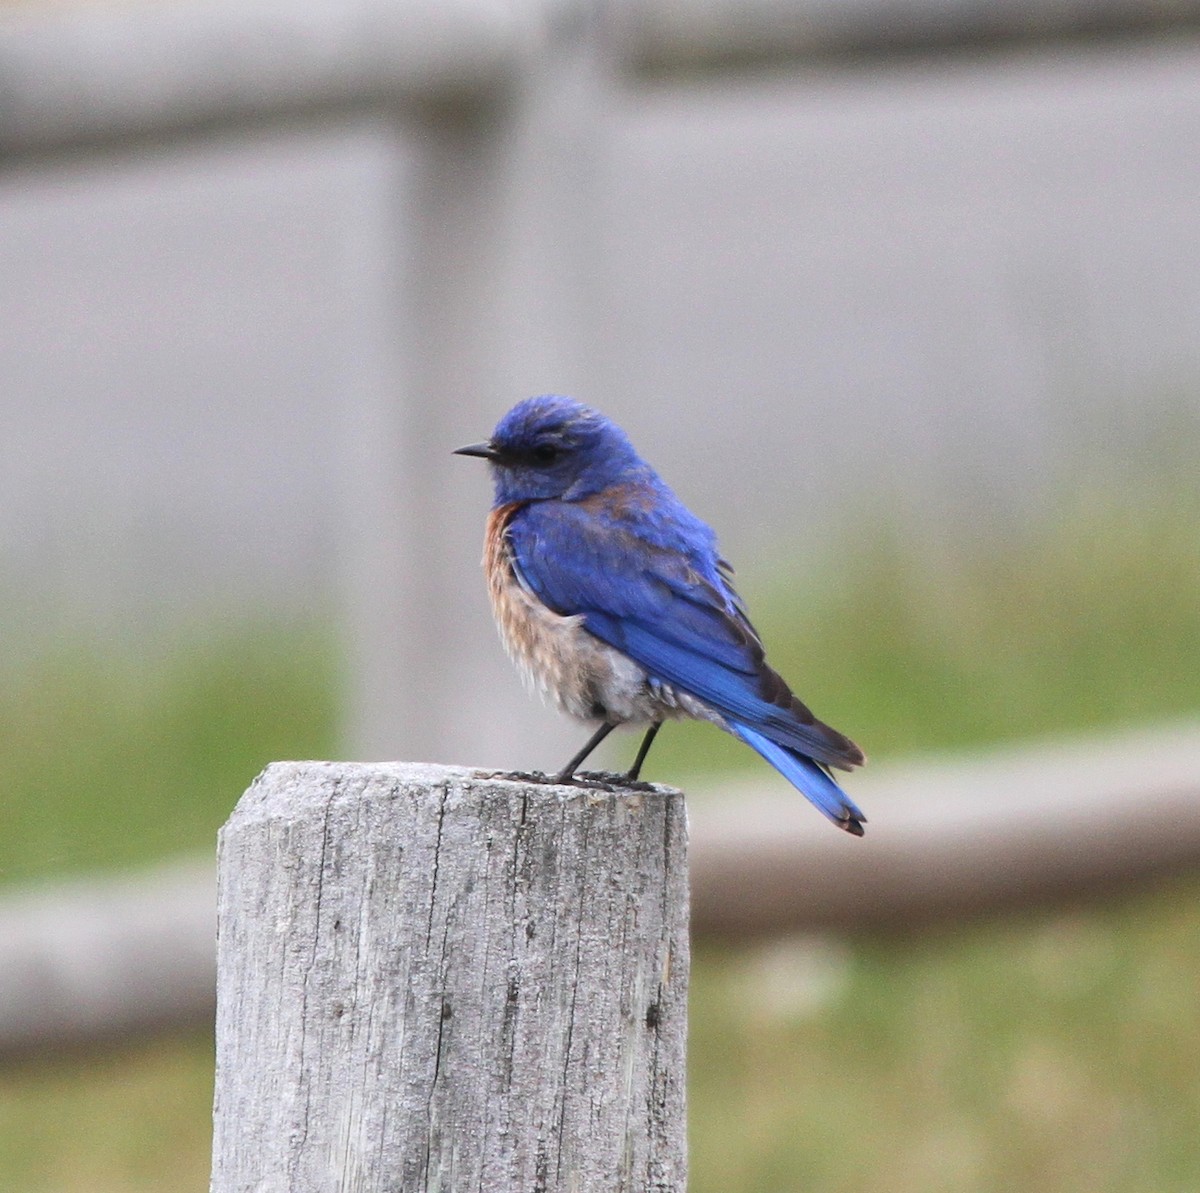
[808,777]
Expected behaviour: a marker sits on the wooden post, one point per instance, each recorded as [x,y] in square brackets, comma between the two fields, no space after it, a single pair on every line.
[432,979]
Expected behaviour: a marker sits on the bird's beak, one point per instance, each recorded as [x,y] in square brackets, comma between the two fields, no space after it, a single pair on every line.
[484,450]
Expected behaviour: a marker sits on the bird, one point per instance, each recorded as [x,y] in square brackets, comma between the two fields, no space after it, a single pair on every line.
[614,601]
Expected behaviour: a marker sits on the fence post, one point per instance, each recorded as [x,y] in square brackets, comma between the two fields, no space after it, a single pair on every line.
[482,276]
[432,979]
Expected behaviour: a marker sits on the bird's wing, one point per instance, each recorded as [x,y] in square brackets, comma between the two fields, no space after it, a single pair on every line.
[668,607]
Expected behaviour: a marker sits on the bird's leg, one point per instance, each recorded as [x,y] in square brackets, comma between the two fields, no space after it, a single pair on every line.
[643,750]
[567,773]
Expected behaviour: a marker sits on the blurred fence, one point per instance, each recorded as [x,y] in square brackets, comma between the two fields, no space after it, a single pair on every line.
[478,159]
[99,74]
[813,292]
[945,843]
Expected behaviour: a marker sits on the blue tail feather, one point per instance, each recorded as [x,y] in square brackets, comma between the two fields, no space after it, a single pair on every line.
[807,777]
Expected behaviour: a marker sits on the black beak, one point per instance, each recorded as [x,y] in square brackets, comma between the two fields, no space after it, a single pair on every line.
[484,450]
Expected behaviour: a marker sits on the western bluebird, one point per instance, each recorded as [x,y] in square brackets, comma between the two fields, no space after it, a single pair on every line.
[612,598]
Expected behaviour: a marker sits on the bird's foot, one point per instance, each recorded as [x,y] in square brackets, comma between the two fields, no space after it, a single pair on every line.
[592,780]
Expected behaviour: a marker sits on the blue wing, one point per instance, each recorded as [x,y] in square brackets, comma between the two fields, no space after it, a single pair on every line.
[646,578]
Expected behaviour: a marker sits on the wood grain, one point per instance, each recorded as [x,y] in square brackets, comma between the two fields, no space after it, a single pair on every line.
[429,979]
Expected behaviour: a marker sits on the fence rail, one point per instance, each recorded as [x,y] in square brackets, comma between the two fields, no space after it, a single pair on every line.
[946,842]
[102,74]
[956,840]
[91,75]
[673,34]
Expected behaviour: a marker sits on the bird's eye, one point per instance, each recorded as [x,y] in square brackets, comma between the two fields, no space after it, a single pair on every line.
[545,453]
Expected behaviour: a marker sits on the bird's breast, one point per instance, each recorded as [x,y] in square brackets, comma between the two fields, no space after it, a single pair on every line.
[555,653]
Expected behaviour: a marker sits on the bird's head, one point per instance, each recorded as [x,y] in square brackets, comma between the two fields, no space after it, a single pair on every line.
[551,446]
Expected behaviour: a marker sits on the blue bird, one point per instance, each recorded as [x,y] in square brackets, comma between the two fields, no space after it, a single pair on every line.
[611,597]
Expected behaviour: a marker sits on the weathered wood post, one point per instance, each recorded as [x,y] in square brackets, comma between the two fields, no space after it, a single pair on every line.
[433,979]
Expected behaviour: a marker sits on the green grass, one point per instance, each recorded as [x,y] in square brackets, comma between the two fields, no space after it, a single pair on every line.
[130,1120]
[111,760]
[1085,620]
[1059,1052]
[1053,1053]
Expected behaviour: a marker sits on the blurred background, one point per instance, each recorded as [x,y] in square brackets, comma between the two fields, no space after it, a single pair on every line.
[902,297]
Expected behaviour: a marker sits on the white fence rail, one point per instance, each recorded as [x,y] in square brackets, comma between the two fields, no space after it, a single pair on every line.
[97,73]
[95,959]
